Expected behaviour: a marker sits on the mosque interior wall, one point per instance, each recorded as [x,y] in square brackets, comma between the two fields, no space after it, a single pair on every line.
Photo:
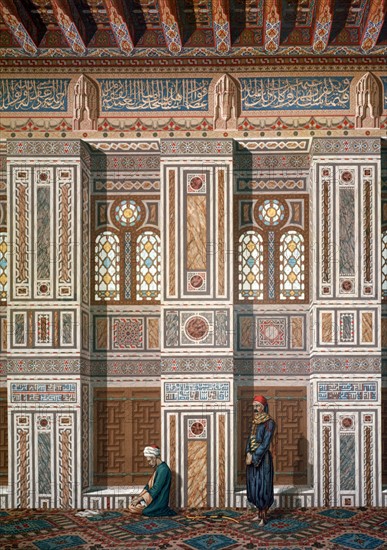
[170,248]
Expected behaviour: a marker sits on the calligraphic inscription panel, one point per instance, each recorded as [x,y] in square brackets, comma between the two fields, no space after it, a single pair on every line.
[200,391]
[288,93]
[33,94]
[44,393]
[156,94]
[347,391]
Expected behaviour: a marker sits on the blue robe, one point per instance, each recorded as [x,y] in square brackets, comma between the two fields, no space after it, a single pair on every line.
[260,474]
[160,493]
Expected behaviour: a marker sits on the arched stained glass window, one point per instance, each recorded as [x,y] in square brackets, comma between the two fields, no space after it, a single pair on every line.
[3,266]
[107,278]
[384,264]
[148,266]
[250,266]
[292,266]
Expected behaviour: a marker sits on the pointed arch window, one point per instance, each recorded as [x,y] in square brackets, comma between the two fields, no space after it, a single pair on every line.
[250,252]
[3,266]
[292,266]
[148,266]
[107,277]
[384,264]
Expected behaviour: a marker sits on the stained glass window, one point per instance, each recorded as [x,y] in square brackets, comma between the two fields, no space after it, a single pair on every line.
[384,264]
[127,213]
[292,266]
[148,266]
[107,277]
[271,212]
[250,266]
[3,266]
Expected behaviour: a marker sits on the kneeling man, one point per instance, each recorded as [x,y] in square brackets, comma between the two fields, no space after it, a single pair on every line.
[153,499]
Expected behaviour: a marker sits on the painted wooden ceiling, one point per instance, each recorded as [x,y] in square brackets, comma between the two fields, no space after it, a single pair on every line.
[191,28]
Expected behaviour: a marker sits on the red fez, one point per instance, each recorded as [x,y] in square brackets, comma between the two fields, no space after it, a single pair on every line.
[261,399]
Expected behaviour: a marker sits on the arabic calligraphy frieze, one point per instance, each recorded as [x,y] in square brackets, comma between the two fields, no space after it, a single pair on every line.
[33,94]
[384,80]
[273,93]
[347,391]
[154,94]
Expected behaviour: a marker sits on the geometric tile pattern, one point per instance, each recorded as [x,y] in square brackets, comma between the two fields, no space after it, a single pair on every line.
[214,529]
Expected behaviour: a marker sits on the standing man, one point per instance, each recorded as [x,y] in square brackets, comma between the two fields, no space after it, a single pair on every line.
[153,499]
[259,462]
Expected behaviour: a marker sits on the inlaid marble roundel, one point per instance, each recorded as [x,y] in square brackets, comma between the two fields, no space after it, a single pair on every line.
[196,183]
[196,328]
[346,286]
[346,176]
[197,428]
[127,213]
[347,422]
[196,281]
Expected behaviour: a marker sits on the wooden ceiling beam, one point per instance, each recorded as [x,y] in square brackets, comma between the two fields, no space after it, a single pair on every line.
[272,25]
[73,31]
[221,25]
[373,25]
[322,25]
[170,25]
[28,40]
[119,25]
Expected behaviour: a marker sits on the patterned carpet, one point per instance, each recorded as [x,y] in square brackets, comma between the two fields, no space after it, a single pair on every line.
[335,528]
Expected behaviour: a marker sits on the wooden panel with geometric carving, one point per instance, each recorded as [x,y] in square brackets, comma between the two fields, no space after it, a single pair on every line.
[145,425]
[3,437]
[288,407]
[384,436]
[125,420]
[111,444]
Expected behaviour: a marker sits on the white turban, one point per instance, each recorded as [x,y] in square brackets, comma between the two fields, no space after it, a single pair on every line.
[152,451]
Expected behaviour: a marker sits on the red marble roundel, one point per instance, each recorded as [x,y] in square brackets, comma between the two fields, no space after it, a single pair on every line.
[346,176]
[347,422]
[346,286]
[197,428]
[197,328]
[196,183]
[196,281]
